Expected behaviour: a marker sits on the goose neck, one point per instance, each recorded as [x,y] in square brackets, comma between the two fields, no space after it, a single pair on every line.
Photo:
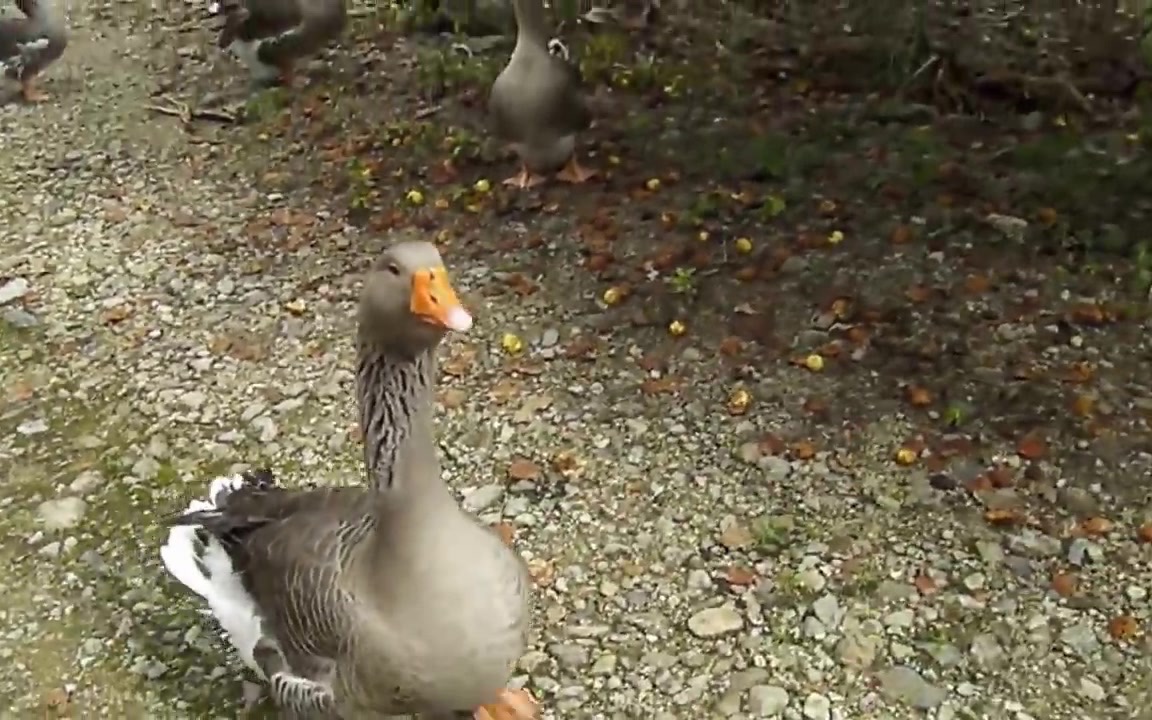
[395,394]
[531,21]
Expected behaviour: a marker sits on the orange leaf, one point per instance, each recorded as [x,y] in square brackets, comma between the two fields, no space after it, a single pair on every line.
[1123,627]
[740,576]
[506,532]
[1001,477]
[1032,447]
[523,469]
[919,396]
[1002,516]
[1089,314]
[771,445]
[1047,216]
[658,386]
[901,235]
[804,450]
[1096,526]
[917,293]
[1064,584]
[731,346]
[1145,533]
[1083,405]
[925,584]
[977,284]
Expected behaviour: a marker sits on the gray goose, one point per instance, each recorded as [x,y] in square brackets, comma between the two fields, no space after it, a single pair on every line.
[30,44]
[537,104]
[360,602]
[269,36]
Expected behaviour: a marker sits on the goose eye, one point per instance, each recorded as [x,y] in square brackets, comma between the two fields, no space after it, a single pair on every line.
[394,268]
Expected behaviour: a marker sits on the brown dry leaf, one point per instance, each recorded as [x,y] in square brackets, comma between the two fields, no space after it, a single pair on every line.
[598,262]
[979,484]
[1123,627]
[1096,526]
[1088,314]
[582,348]
[457,365]
[57,702]
[1145,533]
[739,576]
[736,537]
[901,235]
[919,396]
[521,285]
[1032,447]
[452,398]
[116,314]
[1083,405]
[772,445]
[1047,216]
[803,450]
[506,532]
[731,346]
[543,572]
[1080,373]
[522,469]
[925,584]
[1002,516]
[906,456]
[1064,584]
[1001,477]
[20,391]
[504,391]
[977,284]
[659,386]
[748,273]
[917,293]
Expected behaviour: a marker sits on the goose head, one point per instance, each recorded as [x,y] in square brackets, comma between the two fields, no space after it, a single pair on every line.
[408,304]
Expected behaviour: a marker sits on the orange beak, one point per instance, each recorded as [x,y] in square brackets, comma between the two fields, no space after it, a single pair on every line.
[435,302]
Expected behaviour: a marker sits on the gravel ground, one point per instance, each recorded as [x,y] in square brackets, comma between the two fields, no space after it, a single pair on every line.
[164,317]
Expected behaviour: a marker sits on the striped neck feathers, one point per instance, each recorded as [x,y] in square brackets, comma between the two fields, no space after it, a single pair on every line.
[395,394]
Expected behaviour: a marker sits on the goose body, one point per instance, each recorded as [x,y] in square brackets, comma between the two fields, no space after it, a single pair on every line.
[269,36]
[360,602]
[30,44]
[537,104]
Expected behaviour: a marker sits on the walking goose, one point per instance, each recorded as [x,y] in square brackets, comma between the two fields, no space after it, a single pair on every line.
[30,44]
[537,104]
[367,602]
[269,36]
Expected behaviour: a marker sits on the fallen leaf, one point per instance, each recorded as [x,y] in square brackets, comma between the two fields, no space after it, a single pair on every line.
[452,398]
[1002,516]
[771,445]
[506,532]
[925,584]
[582,348]
[736,537]
[56,702]
[521,285]
[739,402]
[1032,447]
[1083,405]
[1088,314]
[739,576]
[458,363]
[1001,477]
[901,235]
[917,293]
[1145,533]
[567,463]
[731,346]
[116,314]
[1047,216]
[522,469]
[1064,584]
[1123,627]
[919,396]
[1095,526]
[20,391]
[803,450]
[906,456]
[977,284]
[659,386]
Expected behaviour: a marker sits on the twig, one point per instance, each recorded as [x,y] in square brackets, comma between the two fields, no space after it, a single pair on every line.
[176,108]
[427,112]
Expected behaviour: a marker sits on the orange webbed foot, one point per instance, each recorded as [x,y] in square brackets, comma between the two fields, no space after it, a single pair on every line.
[32,94]
[575,173]
[512,705]
[524,179]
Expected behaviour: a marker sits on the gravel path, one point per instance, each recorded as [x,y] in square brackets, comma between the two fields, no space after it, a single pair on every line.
[162,320]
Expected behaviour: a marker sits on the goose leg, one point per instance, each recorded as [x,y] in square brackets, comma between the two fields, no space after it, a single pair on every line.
[512,705]
[575,173]
[30,92]
[287,74]
[524,179]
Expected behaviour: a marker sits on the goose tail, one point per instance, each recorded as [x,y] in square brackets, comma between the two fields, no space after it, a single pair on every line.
[200,561]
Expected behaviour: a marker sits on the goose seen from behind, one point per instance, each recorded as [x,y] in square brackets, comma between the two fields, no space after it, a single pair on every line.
[270,36]
[354,602]
[30,44]
[537,104]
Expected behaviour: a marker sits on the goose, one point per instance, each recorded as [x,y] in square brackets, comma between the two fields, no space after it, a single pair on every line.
[269,36]
[537,104]
[354,602]
[30,44]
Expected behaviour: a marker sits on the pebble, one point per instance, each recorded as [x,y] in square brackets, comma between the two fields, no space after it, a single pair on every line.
[905,685]
[63,513]
[714,622]
[817,707]
[767,701]
[14,289]
[828,611]
[483,497]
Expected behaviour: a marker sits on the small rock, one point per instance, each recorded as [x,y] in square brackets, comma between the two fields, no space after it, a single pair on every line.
[817,707]
[18,318]
[193,399]
[62,513]
[14,289]
[828,611]
[1092,690]
[32,427]
[905,685]
[713,622]
[483,497]
[766,700]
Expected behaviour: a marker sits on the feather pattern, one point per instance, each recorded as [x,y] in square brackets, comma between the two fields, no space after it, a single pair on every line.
[326,592]
[267,35]
[30,44]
